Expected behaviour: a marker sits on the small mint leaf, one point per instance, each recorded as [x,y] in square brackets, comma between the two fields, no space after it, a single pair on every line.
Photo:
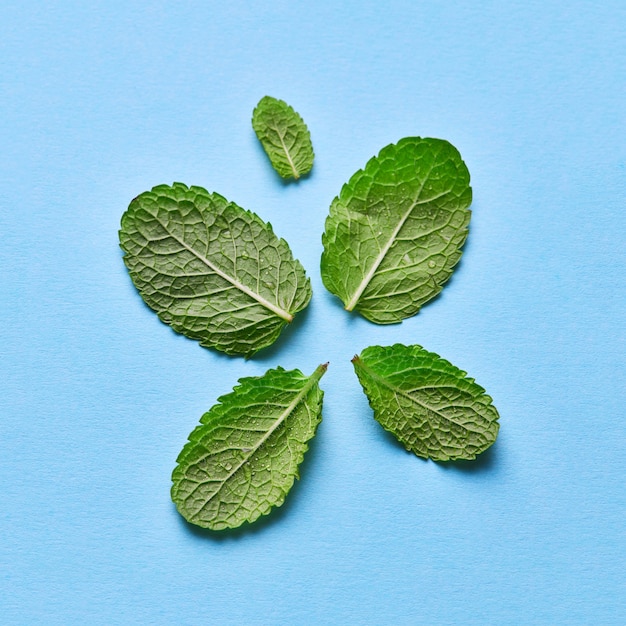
[284,137]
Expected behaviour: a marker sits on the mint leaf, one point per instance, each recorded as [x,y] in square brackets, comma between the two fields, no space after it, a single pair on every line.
[284,137]
[430,405]
[211,270]
[243,458]
[394,233]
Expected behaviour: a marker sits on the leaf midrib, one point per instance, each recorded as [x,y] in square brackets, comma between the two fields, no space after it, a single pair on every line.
[383,253]
[383,382]
[233,281]
[296,174]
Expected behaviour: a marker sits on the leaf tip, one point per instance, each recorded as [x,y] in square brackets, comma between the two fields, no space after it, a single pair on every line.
[320,370]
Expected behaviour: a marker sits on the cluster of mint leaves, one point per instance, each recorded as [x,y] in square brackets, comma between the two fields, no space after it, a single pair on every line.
[218,274]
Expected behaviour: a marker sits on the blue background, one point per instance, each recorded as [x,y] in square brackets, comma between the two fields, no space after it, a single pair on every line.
[103,100]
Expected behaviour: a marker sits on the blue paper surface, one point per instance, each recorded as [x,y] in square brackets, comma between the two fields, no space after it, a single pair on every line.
[103,100]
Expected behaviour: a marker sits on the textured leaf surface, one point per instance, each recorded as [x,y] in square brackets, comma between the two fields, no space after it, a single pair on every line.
[430,405]
[210,269]
[243,458]
[284,137]
[394,233]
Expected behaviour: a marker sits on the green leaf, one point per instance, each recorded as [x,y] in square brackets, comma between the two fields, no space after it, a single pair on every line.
[430,405]
[243,458]
[213,271]
[284,137]
[394,233]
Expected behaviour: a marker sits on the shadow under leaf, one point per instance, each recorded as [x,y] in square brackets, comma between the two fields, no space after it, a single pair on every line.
[484,462]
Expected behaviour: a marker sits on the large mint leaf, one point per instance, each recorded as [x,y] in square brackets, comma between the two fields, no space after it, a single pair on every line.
[284,137]
[210,269]
[430,405]
[394,233]
[243,458]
